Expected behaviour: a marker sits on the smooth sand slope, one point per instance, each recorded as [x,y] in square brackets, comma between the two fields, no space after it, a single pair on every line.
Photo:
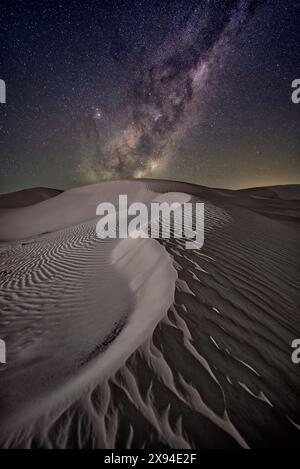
[26,197]
[110,347]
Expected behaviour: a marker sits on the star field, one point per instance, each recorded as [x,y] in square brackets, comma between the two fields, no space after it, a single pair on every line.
[189,90]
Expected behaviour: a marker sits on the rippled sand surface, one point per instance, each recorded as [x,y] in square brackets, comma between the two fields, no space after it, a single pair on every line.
[147,344]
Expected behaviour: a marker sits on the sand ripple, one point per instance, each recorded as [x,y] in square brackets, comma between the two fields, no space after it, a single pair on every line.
[214,371]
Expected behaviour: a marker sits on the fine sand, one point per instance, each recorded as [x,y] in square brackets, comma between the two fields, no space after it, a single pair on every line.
[27,197]
[131,344]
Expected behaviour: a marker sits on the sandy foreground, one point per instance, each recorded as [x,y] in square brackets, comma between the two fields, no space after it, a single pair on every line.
[131,344]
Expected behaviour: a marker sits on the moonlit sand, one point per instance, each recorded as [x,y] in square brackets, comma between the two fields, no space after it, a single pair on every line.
[142,343]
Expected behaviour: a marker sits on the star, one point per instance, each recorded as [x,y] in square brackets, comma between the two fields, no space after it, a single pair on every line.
[98,115]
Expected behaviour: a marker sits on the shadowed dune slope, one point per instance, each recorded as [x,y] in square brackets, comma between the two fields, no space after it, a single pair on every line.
[216,371]
[27,197]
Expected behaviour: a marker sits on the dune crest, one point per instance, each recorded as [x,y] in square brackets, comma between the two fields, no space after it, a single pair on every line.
[138,354]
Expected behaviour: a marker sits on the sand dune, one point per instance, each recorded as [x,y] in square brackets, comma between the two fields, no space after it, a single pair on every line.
[110,347]
[26,197]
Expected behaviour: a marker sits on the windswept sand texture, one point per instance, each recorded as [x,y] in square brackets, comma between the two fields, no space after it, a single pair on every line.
[110,347]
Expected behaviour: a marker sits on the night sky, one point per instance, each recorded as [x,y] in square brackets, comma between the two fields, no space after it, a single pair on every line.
[198,91]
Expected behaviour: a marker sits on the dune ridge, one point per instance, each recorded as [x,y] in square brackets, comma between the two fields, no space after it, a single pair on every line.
[215,370]
[27,197]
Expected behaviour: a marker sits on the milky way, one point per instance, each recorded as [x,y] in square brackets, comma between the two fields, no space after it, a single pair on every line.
[162,98]
[197,91]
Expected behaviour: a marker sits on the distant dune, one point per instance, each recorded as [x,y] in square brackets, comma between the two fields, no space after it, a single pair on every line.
[26,197]
[131,344]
